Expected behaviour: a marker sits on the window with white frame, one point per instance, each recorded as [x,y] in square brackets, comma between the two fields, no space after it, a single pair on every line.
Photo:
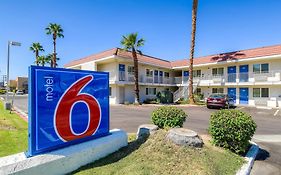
[217,71]
[149,73]
[217,90]
[260,68]
[166,74]
[150,91]
[196,73]
[260,92]
[131,70]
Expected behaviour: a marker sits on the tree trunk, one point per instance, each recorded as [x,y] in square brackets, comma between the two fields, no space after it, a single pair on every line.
[54,60]
[136,73]
[193,32]
[37,55]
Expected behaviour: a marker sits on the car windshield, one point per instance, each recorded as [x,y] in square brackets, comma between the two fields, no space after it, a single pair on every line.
[217,96]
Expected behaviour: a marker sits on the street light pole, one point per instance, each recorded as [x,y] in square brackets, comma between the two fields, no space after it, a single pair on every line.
[12,43]
[7,75]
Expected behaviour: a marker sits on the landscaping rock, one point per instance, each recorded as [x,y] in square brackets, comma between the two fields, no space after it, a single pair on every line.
[146,130]
[184,137]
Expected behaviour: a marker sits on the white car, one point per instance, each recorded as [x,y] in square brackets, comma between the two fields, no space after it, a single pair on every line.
[19,92]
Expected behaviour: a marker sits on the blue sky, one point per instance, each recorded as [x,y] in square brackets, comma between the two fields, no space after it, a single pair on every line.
[91,26]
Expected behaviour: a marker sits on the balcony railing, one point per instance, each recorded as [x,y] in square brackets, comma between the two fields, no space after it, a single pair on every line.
[208,79]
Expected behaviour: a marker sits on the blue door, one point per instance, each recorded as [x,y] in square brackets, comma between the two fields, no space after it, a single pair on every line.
[244,95]
[155,76]
[160,76]
[244,73]
[185,76]
[232,93]
[121,72]
[231,74]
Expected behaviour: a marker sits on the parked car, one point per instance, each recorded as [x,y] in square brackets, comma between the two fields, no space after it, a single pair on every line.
[220,100]
[19,92]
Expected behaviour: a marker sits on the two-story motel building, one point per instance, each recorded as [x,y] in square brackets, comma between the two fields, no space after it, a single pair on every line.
[252,77]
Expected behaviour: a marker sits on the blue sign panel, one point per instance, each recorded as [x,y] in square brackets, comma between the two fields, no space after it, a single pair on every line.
[66,107]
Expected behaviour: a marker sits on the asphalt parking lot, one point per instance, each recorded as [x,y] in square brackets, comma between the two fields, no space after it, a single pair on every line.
[268,133]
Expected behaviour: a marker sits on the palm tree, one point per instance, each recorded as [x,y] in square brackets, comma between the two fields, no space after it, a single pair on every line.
[193,32]
[132,43]
[57,32]
[36,48]
[43,60]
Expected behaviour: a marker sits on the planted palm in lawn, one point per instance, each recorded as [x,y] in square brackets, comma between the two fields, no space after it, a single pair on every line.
[13,133]
[157,156]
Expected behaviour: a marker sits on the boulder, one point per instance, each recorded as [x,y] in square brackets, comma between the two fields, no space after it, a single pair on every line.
[184,137]
[146,130]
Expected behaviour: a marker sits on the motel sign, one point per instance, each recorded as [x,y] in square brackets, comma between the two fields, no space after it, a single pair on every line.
[66,107]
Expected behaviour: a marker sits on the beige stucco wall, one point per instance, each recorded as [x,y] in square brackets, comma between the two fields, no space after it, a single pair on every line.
[111,67]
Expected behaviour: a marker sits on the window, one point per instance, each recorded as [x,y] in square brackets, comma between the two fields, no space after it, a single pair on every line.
[197,73]
[131,70]
[110,91]
[217,90]
[149,73]
[217,71]
[260,68]
[256,92]
[260,92]
[198,91]
[166,74]
[150,91]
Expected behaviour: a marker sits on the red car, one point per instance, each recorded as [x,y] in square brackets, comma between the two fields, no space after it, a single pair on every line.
[220,100]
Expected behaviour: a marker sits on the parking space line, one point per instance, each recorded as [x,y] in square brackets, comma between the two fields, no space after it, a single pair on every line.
[276,112]
[267,138]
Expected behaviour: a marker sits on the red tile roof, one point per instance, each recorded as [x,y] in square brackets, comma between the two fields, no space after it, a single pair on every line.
[97,56]
[236,55]
[125,54]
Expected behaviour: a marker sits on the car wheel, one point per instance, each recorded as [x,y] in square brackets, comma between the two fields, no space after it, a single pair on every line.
[209,107]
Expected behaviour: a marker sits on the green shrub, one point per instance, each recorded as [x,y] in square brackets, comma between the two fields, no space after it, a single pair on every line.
[2,91]
[165,97]
[168,116]
[232,129]
[127,103]
[199,97]
[150,101]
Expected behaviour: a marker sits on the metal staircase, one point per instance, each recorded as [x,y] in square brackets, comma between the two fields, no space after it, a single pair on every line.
[183,92]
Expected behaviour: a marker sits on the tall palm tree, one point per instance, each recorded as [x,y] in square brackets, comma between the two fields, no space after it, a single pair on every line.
[43,60]
[36,48]
[57,32]
[132,43]
[193,32]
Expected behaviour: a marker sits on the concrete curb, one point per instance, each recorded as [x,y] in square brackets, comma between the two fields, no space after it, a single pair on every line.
[250,158]
[65,160]
[19,112]
[22,114]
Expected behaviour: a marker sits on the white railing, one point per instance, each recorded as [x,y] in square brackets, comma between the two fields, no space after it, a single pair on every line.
[183,92]
[178,80]
[272,76]
[167,81]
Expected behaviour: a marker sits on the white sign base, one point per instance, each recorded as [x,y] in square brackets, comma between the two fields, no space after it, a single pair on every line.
[64,160]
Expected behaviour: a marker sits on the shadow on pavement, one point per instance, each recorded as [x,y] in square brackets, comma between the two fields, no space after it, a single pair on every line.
[262,155]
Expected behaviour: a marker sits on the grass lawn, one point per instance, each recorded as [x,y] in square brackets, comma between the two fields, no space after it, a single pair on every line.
[157,156]
[13,133]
